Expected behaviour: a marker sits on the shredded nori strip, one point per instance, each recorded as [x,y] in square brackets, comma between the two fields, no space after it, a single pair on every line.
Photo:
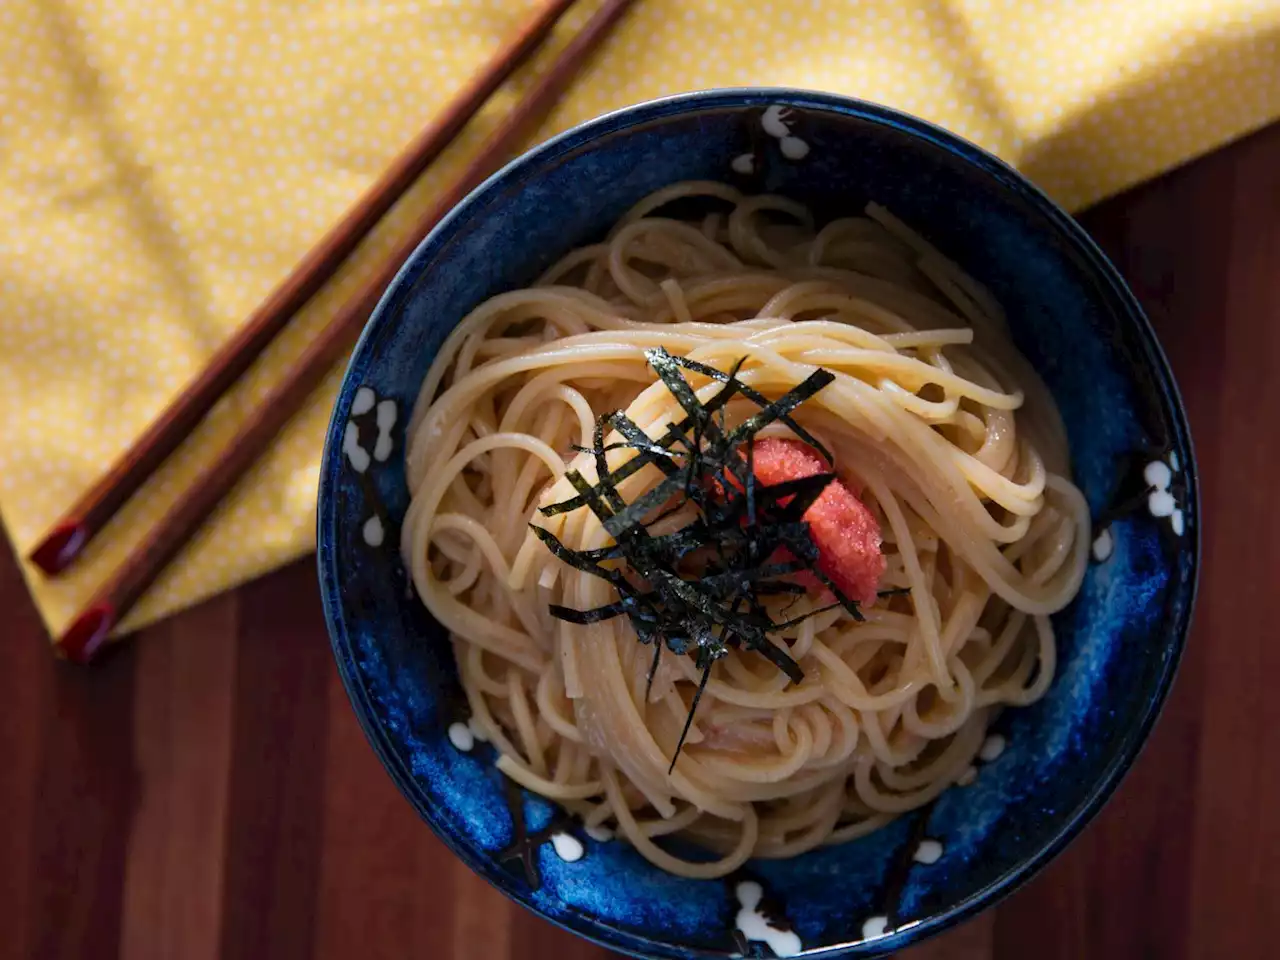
[747,538]
[688,721]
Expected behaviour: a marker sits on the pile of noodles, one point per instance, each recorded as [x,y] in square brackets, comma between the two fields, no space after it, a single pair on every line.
[934,420]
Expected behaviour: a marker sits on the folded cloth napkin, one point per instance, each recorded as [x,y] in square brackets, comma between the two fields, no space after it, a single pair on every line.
[163,163]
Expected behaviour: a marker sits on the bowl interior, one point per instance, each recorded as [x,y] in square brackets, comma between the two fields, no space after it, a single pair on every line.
[1118,642]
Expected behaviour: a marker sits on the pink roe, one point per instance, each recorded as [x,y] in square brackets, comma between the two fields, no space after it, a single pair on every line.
[844,530]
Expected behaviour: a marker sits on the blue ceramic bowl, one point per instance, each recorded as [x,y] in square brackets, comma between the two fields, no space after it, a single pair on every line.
[1119,641]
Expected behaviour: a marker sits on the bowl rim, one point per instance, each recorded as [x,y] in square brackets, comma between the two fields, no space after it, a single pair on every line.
[1130,744]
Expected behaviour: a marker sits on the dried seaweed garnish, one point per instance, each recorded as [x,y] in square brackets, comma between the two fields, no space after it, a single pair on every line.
[698,591]
[676,433]
[895,592]
[755,397]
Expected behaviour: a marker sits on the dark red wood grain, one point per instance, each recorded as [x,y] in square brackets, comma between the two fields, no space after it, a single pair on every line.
[206,792]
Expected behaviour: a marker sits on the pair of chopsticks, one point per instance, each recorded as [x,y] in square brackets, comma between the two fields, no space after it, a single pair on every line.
[69,537]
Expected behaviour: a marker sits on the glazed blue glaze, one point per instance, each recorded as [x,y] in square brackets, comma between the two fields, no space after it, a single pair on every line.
[1119,642]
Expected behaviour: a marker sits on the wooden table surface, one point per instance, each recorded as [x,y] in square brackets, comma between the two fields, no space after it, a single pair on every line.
[207,792]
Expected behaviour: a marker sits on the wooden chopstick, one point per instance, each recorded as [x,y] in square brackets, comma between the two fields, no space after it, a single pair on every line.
[84,637]
[69,536]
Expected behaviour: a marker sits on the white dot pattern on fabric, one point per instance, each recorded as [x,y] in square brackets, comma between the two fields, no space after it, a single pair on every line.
[149,216]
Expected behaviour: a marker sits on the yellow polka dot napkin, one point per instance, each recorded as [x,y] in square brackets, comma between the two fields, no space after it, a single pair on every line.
[163,163]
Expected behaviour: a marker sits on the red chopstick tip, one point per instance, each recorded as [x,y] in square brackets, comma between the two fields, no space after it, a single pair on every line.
[87,632]
[57,551]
